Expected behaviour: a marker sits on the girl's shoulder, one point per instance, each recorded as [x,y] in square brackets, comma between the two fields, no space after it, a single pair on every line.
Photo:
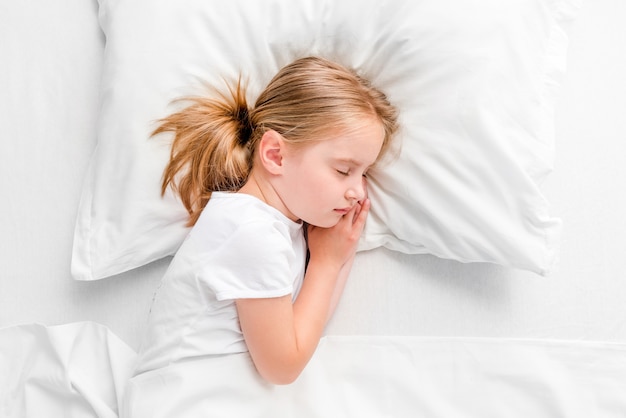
[243,208]
[230,217]
[236,229]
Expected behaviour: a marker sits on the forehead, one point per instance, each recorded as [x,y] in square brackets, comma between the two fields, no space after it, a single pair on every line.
[360,143]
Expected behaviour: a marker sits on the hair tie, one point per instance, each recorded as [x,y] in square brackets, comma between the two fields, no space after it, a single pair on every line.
[242,115]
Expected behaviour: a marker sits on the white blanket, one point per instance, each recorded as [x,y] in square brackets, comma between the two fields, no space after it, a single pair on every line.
[74,370]
[81,370]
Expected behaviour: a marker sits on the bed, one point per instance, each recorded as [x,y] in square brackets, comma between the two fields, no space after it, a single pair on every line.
[416,333]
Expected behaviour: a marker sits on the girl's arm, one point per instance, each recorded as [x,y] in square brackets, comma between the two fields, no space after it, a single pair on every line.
[347,267]
[282,336]
[344,273]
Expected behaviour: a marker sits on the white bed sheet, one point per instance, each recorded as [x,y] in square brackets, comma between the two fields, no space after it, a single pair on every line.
[80,371]
[50,56]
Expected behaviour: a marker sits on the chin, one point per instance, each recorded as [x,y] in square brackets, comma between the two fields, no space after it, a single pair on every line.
[332,222]
[324,223]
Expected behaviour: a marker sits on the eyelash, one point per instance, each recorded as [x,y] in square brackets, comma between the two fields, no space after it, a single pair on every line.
[347,173]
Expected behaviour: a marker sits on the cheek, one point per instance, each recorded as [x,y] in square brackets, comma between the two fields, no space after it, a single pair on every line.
[314,197]
[310,192]
[308,177]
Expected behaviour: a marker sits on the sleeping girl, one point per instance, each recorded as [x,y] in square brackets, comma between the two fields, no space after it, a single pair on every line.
[262,185]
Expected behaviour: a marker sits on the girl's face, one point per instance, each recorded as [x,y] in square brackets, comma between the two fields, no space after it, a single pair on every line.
[322,181]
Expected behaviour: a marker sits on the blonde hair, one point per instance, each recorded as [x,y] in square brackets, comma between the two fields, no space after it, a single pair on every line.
[215,138]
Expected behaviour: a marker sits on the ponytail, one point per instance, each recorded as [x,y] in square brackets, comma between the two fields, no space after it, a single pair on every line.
[211,150]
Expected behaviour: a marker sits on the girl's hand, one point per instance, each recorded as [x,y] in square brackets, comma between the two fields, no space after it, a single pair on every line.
[338,244]
[322,241]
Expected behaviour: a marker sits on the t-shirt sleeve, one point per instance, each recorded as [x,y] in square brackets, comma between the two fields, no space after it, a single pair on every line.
[253,262]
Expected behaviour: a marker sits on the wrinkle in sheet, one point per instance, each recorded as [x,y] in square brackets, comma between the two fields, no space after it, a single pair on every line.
[72,371]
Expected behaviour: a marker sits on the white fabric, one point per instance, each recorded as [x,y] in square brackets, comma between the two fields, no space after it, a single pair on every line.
[224,386]
[81,370]
[474,80]
[239,248]
[77,370]
[460,377]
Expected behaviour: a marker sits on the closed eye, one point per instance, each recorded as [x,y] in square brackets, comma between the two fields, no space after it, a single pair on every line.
[344,173]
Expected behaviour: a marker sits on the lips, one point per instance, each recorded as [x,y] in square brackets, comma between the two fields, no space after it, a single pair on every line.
[343,211]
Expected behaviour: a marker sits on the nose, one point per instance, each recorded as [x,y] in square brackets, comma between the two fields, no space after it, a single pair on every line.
[356,191]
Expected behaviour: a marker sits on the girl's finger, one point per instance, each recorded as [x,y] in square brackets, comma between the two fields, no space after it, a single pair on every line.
[357,212]
[350,217]
[359,220]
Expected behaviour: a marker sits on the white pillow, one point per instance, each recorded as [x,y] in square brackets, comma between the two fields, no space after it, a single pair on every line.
[474,80]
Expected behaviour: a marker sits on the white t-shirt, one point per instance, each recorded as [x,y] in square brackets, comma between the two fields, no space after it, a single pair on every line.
[239,248]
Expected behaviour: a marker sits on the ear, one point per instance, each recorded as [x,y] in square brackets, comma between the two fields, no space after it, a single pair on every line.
[271,151]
